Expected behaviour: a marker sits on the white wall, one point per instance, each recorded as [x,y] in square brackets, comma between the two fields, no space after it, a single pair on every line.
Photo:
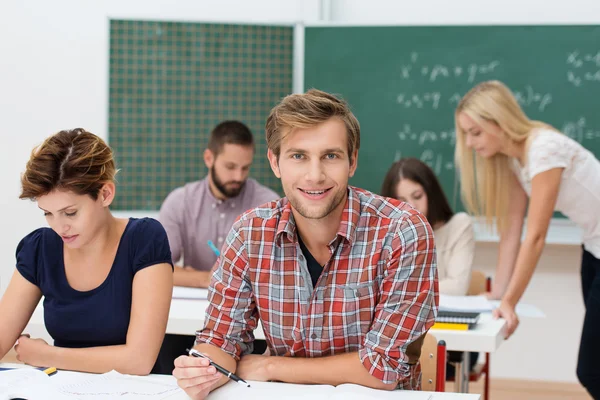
[54,75]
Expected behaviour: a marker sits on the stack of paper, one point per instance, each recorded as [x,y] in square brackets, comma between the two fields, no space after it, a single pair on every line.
[482,304]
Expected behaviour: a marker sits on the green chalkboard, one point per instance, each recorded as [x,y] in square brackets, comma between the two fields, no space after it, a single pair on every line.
[171,83]
[403,84]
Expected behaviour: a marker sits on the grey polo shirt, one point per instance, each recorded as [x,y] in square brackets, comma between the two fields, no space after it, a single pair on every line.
[192,216]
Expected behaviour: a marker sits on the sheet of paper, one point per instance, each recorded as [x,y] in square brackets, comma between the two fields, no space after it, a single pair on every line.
[524,310]
[180,292]
[33,384]
[27,383]
[114,385]
[465,303]
[482,304]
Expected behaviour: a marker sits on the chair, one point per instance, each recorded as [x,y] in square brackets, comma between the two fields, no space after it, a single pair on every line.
[433,364]
[480,283]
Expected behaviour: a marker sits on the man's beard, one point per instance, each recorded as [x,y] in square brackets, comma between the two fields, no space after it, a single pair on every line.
[223,187]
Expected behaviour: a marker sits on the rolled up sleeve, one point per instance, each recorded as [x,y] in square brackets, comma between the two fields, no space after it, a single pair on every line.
[407,307]
[231,316]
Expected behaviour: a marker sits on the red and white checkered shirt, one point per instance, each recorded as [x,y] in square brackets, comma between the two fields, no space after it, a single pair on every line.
[377,294]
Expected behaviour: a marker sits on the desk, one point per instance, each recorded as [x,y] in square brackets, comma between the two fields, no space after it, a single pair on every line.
[257,391]
[486,336]
[186,316]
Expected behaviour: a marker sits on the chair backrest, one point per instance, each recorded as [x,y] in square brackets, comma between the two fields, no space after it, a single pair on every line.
[433,364]
[479,283]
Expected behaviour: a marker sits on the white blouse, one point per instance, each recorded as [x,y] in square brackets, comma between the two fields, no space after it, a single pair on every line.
[579,193]
[455,245]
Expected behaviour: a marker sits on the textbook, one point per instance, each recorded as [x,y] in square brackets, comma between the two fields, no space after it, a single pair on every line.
[346,391]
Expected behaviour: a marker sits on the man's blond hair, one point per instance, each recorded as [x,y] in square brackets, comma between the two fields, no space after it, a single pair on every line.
[299,111]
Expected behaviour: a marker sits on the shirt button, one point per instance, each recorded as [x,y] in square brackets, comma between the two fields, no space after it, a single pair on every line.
[220,239]
[222,215]
[313,336]
[232,205]
[214,205]
[301,257]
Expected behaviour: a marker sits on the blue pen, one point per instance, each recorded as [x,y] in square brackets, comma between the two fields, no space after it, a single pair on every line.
[214,248]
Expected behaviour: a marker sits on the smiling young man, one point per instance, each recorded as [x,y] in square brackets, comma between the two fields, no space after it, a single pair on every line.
[344,281]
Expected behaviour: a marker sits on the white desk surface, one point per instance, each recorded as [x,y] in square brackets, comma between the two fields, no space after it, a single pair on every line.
[187,316]
[486,336]
[268,390]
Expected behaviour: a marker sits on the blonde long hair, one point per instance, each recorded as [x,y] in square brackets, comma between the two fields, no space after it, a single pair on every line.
[485,181]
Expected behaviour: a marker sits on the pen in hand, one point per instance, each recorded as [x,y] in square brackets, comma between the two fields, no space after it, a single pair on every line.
[230,375]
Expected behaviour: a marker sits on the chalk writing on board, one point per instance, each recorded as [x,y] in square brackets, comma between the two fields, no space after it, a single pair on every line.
[425,135]
[583,67]
[441,161]
[436,161]
[579,131]
[420,100]
[528,97]
[435,72]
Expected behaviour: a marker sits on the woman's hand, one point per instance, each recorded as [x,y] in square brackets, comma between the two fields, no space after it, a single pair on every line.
[32,351]
[507,312]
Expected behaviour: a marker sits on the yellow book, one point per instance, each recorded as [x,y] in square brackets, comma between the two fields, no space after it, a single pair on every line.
[451,326]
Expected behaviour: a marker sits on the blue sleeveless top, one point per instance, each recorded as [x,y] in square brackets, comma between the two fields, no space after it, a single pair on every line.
[98,317]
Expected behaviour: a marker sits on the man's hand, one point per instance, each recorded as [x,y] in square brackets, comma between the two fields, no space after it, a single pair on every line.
[255,368]
[32,351]
[195,376]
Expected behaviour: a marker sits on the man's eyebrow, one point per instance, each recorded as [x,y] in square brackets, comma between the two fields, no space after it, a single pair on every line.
[295,150]
[333,150]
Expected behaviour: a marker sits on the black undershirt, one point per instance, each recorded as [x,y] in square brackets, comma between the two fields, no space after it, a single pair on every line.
[314,268]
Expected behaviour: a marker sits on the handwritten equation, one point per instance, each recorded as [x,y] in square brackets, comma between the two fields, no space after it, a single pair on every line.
[580,131]
[436,161]
[583,67]
[528,97]
[423,136]
[435,72]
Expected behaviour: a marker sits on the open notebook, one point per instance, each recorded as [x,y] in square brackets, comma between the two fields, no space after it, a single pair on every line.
[273,390]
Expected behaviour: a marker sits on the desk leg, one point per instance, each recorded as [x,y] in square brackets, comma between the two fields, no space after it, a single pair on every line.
[461,375]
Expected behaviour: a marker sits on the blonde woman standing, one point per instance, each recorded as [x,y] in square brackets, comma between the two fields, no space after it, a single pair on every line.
[520,162]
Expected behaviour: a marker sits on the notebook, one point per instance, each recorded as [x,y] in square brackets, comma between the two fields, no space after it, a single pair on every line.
[458,317]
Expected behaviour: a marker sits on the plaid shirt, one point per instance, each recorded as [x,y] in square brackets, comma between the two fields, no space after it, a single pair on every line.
[377,294]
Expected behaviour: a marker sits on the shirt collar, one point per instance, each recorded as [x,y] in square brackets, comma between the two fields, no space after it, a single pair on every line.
[346,228]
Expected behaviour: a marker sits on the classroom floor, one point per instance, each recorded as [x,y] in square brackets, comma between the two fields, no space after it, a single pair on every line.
[511,389]
[501,389]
